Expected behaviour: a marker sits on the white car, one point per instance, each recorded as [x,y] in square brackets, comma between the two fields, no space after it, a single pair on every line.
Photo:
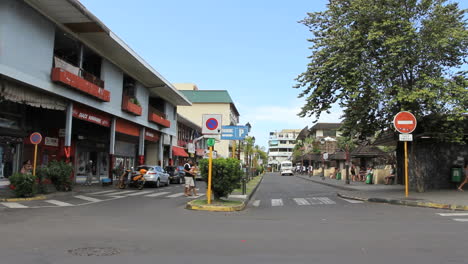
[286,168]
[155,175]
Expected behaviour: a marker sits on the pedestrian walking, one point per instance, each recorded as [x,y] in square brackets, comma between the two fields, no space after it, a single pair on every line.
[391,177]
[353,172]
[460,187]
[189,181]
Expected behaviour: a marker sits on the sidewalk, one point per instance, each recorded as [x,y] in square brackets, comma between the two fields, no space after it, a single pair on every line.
[7,193]
[395,194]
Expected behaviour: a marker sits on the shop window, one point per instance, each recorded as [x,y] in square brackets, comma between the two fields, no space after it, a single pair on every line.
[74,57]
[329,133]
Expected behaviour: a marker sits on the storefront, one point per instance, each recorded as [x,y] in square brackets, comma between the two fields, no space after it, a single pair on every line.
[126,146]
[91,134]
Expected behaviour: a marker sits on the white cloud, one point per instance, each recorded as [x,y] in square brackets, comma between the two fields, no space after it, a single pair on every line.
[270,117]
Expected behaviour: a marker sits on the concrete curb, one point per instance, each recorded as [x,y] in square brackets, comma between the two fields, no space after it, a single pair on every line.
[408,203]
[221,208]
[35,198]
[215,208]
[327,184]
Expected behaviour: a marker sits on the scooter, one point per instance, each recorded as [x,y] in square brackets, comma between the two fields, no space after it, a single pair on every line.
[137,180]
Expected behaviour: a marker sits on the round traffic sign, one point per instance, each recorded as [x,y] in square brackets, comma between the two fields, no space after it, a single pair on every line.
[404,122]
[212,123]
[35,138]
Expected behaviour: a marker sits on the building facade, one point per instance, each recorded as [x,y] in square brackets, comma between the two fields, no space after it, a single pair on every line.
[189,143]
[97,104]
[281,145]
[210,102]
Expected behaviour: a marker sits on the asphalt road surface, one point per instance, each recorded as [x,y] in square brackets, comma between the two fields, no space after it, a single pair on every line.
[289,220]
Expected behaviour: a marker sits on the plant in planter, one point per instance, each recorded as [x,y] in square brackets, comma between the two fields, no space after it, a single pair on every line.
[59,173]
[25,185]
[135,101]
[225,176]
[41,176]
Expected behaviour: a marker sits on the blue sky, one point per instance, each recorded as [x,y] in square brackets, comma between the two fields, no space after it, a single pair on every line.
[253,49]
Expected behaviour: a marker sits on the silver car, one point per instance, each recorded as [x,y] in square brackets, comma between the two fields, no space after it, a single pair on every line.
[155,175]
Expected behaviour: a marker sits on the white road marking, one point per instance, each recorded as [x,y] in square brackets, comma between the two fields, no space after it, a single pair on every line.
[314,200]
[156,194]
[102,192]
[453,214]
[59,203]
[14,205]
[86,198]
[326,200]
[301,201]
[256,203]
[140,193]
[353,201]
[461,219]
[276,202]
[119,193]
[175,195]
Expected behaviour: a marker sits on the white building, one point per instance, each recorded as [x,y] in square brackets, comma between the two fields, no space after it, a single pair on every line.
[281,145]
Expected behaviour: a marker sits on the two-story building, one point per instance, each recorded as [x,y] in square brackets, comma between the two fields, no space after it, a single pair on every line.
[210,102]
[189,143]
[281,145]
[95,102]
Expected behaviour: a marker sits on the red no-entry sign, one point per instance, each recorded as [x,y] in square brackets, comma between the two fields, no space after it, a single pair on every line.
[404,122]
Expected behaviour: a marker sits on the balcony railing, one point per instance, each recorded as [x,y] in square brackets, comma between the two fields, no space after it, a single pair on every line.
[131,107]
[77,78]
[158,117]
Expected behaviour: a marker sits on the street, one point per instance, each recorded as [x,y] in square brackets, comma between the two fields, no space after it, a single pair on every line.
[288,220]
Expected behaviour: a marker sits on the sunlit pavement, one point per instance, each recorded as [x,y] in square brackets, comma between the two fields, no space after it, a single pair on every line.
[289,220]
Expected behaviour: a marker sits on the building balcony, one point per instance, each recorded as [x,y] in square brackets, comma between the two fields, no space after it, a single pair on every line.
[157,117]
[129,105]
[86,84]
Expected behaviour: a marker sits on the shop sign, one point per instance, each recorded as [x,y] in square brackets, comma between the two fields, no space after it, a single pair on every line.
[62,132]
[190,148]
[151,135]
[50,141]
[90,116]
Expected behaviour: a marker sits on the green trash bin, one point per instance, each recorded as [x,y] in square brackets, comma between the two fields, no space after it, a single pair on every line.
[338,176]
[369,178]
[457,174]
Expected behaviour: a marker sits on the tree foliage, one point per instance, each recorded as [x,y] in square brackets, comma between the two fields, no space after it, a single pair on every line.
[376,58]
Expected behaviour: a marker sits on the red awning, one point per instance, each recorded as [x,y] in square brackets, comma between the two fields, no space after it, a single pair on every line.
[178,151]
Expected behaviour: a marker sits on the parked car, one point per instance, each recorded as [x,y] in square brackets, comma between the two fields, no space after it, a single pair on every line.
[155,175]
[176,174]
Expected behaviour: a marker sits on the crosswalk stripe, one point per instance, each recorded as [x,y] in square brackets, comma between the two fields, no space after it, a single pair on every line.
[102,192]
[301,201]
[175,195]
[276,202]
[326,200]
[119,193]
[314,200]
[59,203]
[156,194]
[14,205]
[86,198]
[352,201]
[453,214]
[256,203]
[461,219]
[140,193]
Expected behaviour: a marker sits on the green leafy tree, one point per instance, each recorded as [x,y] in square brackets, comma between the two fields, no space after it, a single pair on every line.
[376,58]
[226,175]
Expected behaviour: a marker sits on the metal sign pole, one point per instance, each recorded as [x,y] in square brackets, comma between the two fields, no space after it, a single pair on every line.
[35,159]
[406,169]
[210,168]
